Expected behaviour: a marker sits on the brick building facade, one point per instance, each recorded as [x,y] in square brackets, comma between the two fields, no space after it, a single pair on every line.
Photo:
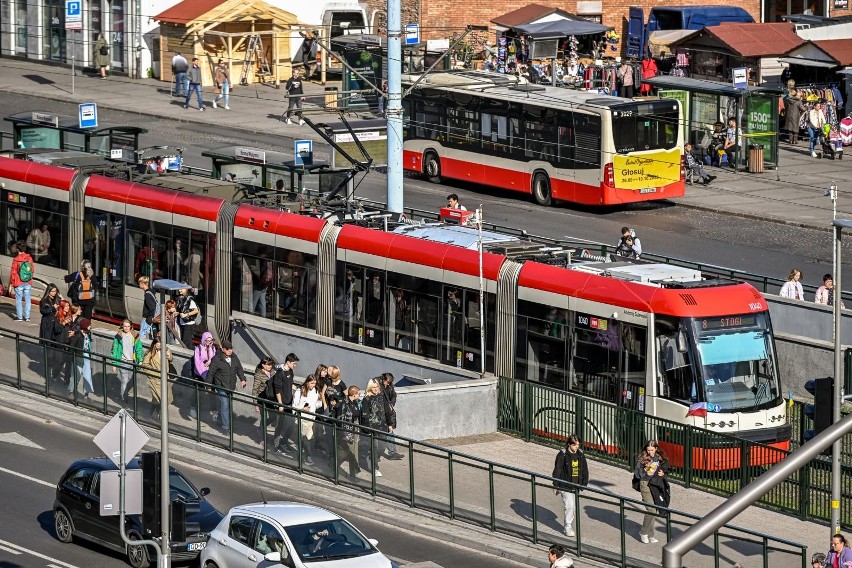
[442,18]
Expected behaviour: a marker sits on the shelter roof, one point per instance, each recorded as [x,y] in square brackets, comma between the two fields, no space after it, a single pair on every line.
[217,11]
[531,13]
[838,49]
[746,40]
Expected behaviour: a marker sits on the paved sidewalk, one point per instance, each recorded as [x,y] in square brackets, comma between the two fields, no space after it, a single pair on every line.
[793,194]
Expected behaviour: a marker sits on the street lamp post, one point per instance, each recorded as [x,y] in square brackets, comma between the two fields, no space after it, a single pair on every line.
[837,225]
[831,193]
[164,285]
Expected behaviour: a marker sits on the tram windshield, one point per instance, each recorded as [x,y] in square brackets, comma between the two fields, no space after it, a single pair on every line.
[736,363]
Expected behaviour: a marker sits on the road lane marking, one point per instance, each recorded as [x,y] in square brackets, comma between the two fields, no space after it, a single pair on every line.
[15,438]
[10,550]
[56,563]
[27,477]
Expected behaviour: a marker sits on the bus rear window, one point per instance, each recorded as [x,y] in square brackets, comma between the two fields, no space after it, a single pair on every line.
[634,131]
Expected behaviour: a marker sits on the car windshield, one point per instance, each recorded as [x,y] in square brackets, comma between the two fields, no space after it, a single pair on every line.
[328,540]
[181,486]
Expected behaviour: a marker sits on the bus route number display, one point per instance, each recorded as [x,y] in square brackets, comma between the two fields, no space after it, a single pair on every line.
[728,322]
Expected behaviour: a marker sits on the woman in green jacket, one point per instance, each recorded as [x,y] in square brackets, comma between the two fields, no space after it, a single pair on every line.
[127,351]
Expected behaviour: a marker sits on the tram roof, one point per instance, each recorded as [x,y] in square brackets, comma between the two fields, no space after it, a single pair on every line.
[465,237]
[506,87]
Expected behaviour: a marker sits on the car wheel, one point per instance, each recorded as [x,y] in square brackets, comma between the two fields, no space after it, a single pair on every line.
[137,555]
[541,189]
[62,524]
[210,564]
[432,167]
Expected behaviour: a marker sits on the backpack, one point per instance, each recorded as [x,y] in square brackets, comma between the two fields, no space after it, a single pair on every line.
[85,290]
[104,50]
[25,271]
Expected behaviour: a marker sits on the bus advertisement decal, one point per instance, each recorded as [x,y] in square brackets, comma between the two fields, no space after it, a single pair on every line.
[648,171]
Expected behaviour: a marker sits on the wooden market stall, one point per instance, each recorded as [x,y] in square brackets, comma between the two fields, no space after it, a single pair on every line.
[252,37]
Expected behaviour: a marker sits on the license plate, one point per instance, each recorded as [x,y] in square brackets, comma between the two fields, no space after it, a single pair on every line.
[648,190]
[194,546]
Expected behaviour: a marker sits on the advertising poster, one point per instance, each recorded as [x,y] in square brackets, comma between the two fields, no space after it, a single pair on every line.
[368,62]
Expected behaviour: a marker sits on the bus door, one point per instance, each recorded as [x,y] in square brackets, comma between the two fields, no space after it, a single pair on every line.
[103,243]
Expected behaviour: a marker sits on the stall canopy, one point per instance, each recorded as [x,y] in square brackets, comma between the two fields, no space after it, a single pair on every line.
[562,28]
[660,40]
[824,53]
[530,14]
[744,40]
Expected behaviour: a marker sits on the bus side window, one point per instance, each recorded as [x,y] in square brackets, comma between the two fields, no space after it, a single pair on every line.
[588,141]
[565,140]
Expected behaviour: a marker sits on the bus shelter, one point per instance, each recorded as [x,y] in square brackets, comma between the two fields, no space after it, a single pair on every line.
[372,133]
[63,132]
[267,170]
[704,103]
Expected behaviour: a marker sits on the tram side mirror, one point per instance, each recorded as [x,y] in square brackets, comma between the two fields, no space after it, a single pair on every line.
[680,340]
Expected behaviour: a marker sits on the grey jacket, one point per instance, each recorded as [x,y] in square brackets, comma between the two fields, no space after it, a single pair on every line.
[194,75]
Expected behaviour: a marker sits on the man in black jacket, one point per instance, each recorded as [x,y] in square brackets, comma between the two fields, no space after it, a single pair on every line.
[282,397]
[224,370]
[570,466]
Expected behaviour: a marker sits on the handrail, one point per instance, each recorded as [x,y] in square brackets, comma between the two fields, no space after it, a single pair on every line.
[419,492]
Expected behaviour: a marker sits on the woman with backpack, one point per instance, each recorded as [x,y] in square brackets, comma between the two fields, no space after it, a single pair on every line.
[188,316]
[101,55]
[81,288]
[262,391]
[20,280]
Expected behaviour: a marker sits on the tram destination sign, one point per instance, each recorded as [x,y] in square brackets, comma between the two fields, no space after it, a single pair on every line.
[726,322]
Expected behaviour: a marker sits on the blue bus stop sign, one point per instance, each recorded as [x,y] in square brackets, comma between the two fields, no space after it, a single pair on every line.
[412,34]
[304,150]
[88,115]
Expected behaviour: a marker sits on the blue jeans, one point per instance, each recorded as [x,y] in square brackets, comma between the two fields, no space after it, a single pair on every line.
[224,409]
[225,94]
[23,293]
[180,84]
[813,134]
[197,88]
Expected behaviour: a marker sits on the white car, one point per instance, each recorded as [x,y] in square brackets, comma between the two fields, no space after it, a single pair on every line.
[290,534]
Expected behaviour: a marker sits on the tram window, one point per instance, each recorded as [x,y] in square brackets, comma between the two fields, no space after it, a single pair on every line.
[253,279]
[400,321]
[542,344]
[143,250]
[595,360]
[677,378]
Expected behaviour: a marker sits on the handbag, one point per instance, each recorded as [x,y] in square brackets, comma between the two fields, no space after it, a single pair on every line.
[636,482]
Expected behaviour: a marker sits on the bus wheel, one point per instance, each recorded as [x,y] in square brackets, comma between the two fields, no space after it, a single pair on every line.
[432,167]
[541,189]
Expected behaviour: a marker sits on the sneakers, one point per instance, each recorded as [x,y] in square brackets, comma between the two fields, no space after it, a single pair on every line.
[301,122]
[185,106]
[288,121]
[647,539]
[26,319]
[569,531]
[281,451]
[227,107]
[215,105]
[378,473]
[201,109]
[308,460]
[813,155]
[395,456]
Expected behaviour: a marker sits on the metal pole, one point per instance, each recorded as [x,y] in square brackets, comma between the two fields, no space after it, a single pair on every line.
[394,107]
[674,551]
[481,296]
[838,383]
[165,486]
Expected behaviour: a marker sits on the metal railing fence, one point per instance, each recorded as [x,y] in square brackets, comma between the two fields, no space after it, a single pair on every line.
[501,498]
[703,459]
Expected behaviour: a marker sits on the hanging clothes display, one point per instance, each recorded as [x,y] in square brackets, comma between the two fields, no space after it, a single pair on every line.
[649,69]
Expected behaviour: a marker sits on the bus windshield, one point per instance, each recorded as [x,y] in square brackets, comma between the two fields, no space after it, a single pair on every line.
[736,362]
[647,126]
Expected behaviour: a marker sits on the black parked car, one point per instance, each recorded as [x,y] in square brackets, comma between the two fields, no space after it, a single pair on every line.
[77,513]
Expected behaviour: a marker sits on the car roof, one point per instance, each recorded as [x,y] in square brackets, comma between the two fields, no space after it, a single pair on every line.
[286,513]
[102,463]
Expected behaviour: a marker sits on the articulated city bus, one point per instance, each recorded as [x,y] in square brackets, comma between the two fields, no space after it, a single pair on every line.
[556,144]
[652,339]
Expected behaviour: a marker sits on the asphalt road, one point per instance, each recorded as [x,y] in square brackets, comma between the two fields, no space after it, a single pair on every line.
[35,454]
[754,245]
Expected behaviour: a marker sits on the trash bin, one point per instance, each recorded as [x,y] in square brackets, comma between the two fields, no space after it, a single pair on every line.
[331,98]
[755,159]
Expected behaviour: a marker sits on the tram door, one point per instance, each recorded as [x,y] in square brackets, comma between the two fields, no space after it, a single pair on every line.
[103,243]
